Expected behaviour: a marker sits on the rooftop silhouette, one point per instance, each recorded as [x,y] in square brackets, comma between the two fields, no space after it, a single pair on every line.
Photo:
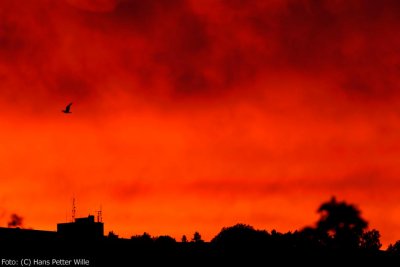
[81,228]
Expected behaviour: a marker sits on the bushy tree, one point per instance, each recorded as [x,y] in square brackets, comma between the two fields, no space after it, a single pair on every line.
[15,221]
[184,239]
[112,235]
[394,248]
[342,223]
[145,238]
[197,237]
[239,234]
[242,238]
[370,240]
[165,240]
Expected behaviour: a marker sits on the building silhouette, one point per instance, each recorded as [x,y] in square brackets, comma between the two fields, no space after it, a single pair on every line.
[25,234]
[81,228]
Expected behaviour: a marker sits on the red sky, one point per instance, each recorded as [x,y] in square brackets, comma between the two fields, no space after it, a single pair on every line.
[194,115]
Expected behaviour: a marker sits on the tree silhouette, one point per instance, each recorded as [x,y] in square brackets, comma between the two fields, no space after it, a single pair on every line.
[165,240]
[370,240]
[145,238]
[395,248]
[112,235]
[239,234]
[197,238]
[184,239]
[15,221]
[241,238]
[342,223]
[313,237]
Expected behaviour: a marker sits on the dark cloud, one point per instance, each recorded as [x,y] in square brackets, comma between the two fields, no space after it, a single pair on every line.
[183,49]
[144,15]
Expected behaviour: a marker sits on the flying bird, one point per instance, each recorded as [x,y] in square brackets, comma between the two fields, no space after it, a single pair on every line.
[67,109]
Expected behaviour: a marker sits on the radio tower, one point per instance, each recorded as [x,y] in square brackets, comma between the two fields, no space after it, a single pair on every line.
[73,209]
[100,215]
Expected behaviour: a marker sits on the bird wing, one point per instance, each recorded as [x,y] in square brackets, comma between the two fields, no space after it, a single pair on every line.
[68,107]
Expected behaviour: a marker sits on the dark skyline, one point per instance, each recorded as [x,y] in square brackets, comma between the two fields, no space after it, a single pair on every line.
[340,235]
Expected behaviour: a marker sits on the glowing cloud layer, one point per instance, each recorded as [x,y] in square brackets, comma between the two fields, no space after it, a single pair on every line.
[194,115]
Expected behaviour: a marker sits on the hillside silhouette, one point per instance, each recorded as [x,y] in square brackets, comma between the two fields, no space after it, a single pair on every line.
[339,237]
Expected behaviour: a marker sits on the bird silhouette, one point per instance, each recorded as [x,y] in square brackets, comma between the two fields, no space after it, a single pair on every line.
[67,109]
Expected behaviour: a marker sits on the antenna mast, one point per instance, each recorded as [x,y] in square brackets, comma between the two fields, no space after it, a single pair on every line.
[73,209]
[100,215]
